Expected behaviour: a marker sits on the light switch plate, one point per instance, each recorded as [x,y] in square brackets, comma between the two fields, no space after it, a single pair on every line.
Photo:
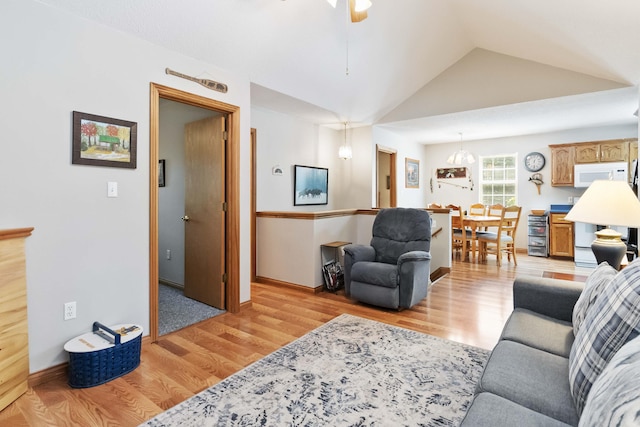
[112,189]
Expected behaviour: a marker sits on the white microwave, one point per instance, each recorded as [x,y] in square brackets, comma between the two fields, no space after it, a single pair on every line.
[585,174]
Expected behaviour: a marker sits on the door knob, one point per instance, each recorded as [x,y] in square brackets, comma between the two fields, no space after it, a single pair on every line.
[185,218]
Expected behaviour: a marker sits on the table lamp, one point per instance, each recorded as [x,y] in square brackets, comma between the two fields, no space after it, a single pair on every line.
[607,203]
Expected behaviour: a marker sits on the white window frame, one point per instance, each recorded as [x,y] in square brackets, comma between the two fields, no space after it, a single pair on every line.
[511,201]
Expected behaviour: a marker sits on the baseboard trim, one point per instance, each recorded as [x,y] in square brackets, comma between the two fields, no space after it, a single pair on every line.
[439,272]
[280,283]
[61,370]
[172,284]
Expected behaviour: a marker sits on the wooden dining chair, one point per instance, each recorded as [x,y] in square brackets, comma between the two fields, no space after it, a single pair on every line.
[477,209]
[460,236]
[495,210]
[434,206]
[504,239]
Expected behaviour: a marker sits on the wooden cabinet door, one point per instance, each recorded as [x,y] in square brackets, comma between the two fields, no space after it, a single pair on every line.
[587,153]
[560,236]
[562,162]
[614,151]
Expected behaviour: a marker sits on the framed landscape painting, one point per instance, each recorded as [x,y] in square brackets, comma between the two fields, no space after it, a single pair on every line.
[310,185]
[103,141]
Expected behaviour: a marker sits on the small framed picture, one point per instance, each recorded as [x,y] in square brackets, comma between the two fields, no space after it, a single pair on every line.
[161,173]
[103,141]
[412,173]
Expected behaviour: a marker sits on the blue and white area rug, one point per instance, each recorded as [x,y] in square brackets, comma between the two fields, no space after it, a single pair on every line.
[348,372]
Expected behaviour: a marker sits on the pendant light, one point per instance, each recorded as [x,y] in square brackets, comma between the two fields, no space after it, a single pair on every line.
[345,152]
[461,156]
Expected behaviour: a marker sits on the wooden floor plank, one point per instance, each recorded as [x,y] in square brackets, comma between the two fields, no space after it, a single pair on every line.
[470,305]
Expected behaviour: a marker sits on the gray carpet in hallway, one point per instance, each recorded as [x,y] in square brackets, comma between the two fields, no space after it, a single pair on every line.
[175,311]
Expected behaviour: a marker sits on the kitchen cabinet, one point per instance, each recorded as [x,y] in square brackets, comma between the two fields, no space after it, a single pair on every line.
[562,161]
[587,153]
[565,156]
[560,236]
[614,151]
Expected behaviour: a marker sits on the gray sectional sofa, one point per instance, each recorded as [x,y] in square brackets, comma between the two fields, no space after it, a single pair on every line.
[556,363]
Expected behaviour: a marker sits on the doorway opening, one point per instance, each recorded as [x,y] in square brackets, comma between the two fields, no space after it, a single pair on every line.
[230,253]
[385,177]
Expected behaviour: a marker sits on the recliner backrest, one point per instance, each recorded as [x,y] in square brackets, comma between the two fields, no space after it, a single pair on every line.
[400,230]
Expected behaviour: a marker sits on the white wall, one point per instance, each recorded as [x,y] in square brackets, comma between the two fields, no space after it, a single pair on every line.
[85,247]
[436,157]
[285,141]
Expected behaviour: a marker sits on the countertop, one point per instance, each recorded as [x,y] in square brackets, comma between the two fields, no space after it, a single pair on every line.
[560,208]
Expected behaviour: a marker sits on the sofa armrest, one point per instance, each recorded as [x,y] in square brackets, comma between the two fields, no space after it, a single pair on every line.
[550,297]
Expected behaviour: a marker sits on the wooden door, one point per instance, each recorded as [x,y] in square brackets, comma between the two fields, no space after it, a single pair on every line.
[204,219]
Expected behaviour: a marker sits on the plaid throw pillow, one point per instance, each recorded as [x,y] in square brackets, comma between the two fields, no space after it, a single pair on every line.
[613,400]
[593,287]
[608,325]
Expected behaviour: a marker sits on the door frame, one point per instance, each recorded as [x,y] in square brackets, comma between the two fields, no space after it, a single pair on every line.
[393,195]
[232,185]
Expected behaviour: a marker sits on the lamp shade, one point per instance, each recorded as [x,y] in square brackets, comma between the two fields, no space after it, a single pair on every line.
[344,152]
[460,157]
[607,203]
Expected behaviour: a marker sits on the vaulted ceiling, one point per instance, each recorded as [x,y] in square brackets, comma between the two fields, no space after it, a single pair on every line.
[304,56]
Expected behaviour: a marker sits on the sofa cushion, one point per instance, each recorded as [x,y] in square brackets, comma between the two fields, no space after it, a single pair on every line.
[539,331]
[614,399]
[596,282]
[532,378]
[490,410]
[608,325]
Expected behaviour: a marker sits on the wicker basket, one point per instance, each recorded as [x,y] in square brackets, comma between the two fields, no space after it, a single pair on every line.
[109,355]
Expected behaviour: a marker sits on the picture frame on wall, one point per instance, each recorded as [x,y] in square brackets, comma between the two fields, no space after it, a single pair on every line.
[103,141]
[411,173]
[161,173]
[310,185]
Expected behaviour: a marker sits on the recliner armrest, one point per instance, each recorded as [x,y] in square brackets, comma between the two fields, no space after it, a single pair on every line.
[550,297]
[413,256]
[413,271]
[360,253]
[352,254]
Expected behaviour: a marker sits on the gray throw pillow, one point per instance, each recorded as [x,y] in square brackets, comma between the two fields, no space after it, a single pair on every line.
[609,324]
[614,399]
[596,282]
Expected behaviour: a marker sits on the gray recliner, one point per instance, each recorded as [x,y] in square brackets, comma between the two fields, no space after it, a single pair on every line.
[394,271]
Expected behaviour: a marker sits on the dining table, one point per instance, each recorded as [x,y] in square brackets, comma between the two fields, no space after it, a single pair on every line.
[476,222]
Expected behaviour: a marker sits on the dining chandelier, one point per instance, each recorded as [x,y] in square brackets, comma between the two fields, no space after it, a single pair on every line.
[461,156]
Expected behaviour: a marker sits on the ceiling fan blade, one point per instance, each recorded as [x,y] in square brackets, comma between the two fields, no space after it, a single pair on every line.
[356,16]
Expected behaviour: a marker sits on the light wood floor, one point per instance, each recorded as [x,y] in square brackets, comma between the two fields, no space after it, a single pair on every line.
[470,305]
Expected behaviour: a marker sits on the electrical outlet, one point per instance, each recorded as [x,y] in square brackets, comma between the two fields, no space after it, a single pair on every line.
[570,199]
[168,253]
[69,310]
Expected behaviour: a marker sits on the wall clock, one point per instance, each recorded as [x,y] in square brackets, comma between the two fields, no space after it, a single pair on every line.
[534,161]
